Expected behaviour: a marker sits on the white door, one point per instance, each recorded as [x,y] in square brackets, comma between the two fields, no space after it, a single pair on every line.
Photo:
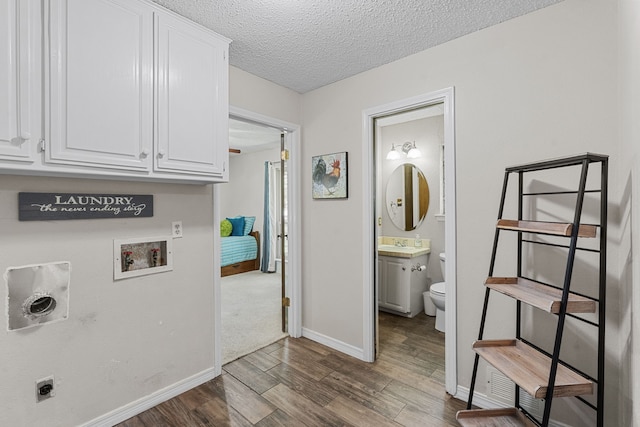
[15,80]
[99,94]
[193,128]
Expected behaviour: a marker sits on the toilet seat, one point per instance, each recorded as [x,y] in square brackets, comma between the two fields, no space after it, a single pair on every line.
[438,288]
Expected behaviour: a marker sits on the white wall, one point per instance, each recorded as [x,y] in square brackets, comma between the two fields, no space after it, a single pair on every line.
[539,86]
[244,193]
[629,190]
[123,340]
[261,96]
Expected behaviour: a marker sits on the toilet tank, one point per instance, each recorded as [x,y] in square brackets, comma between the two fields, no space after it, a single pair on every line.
[442,269]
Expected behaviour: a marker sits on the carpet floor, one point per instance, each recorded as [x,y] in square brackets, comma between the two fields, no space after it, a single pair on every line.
[251,313]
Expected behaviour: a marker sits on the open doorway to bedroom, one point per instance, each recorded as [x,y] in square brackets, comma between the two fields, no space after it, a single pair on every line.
[253,219]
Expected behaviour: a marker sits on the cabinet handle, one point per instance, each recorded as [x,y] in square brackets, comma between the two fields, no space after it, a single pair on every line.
[161,153]
[144,153]
[25,136]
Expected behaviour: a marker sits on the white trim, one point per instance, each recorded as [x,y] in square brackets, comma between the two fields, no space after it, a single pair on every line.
[334,344]
[446,96]
[134,408]
[450,233]
[293,271]
[217,290]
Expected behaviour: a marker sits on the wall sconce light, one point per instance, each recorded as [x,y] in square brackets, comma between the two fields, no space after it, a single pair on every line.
[393,154]
[408,148]
[411,150]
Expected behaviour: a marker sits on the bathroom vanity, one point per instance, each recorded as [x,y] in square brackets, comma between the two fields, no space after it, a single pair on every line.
[403,276]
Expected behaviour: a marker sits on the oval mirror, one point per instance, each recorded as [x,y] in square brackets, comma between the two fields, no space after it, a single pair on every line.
[407,197]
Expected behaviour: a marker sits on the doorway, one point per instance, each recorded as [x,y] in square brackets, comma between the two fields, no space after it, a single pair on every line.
[373,218]
[252,280]
[289,271]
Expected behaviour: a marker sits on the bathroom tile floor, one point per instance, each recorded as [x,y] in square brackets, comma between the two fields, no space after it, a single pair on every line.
[297,382]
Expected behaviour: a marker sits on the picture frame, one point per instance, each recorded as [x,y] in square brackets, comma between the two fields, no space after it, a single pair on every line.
[329,176]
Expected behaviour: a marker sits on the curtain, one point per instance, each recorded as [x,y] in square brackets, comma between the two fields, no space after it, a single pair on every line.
[270,232]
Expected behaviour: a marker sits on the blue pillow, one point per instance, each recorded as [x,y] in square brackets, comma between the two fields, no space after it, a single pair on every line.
[238,226]
[248,224]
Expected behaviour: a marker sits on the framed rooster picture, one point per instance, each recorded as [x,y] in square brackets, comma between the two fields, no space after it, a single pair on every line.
[329,176]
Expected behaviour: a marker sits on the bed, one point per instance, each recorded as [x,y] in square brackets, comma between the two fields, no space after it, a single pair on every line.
[240,253]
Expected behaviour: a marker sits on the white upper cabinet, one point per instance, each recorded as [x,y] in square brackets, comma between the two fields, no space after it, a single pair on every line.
[99,86]
[192,99]
[16,79]
[111,88]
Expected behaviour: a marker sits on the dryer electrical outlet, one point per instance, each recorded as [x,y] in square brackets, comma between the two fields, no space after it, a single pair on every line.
[45,389]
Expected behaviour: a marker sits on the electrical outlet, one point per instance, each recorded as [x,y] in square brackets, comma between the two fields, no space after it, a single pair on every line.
[45,389]
[176,229]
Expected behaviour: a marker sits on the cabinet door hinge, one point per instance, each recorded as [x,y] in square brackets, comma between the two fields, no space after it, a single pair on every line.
[286,302]
[41,146]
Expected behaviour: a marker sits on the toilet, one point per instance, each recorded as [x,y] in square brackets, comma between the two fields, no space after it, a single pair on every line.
[437,294]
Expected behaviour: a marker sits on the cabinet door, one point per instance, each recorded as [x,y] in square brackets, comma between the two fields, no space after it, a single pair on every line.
[16,62]
[397,277]
[99,87]
[394,284]
[192,86]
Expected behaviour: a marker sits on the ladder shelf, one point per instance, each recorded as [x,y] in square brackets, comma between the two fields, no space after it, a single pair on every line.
[540,373]
[508,417]
[541,296]
[529,368]
[552,228]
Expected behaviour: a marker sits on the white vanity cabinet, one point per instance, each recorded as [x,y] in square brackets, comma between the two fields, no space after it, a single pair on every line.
[401,282]
[17,55]
[129,90]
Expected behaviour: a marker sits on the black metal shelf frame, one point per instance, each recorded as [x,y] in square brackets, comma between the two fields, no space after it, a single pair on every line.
[583,160]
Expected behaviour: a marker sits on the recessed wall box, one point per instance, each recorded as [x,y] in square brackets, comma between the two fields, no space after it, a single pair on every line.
[141,256]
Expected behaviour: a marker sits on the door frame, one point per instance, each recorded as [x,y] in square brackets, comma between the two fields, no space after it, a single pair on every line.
[369,248]
[291,268]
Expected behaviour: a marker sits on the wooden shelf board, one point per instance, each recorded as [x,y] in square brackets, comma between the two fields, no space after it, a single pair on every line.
[530,369]
[508,417]
[538,295]
[553,228]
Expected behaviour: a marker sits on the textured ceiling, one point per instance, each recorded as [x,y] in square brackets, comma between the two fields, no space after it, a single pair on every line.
[306,44]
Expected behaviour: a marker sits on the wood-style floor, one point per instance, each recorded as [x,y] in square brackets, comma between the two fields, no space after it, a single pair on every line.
[297,382]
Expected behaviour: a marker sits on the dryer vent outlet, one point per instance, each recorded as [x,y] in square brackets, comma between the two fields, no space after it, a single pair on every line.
[37,294]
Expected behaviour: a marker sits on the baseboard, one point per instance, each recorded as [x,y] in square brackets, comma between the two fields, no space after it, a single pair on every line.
[482,401]
[340,346]
[134,408]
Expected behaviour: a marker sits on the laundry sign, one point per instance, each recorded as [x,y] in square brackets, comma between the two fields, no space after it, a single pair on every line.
[56,206]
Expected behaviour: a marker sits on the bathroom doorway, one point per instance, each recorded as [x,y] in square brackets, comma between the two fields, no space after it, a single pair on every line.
[411,138]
